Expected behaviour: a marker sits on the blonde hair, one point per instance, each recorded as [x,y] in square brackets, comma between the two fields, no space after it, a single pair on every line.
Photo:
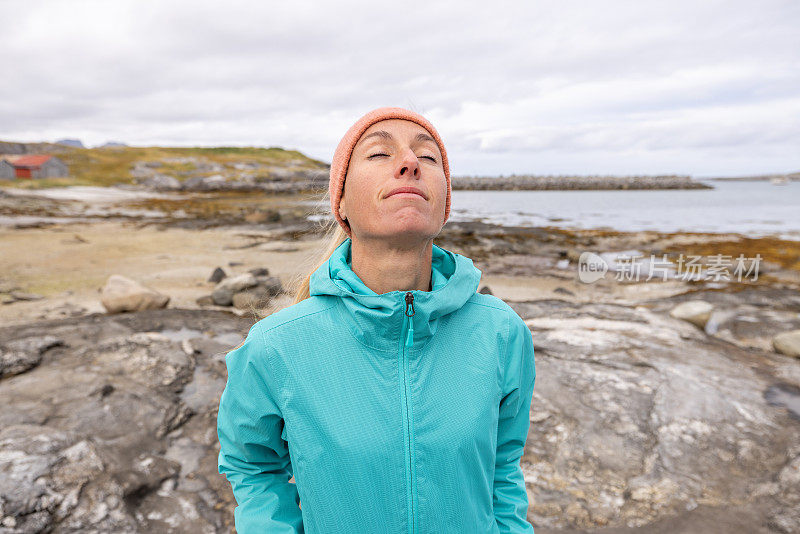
[333,236]
[298,287]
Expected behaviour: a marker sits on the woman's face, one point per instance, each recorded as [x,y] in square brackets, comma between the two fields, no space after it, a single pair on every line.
[392,154]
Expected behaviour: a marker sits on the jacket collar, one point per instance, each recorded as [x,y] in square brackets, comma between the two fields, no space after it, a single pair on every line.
[377,320]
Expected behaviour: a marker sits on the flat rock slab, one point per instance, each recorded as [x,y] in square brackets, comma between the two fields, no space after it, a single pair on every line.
[639,422]
[638,416]
[114,429]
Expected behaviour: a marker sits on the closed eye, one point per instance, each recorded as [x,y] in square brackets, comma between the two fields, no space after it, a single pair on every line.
[382,154]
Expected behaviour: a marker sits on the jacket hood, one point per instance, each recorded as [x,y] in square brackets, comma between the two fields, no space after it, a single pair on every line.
[377,320]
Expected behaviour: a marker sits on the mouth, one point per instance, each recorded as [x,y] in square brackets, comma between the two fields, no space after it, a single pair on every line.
[411,192]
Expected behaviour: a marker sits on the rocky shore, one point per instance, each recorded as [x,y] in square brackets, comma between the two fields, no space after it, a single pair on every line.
[660,406]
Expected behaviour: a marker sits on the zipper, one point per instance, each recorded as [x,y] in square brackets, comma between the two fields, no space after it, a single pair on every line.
[408,315]
[410,304]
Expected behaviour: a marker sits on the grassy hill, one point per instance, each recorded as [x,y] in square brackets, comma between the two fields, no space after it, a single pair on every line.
[110,165]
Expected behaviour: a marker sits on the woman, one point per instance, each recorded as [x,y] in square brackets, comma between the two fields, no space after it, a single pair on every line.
[395,393]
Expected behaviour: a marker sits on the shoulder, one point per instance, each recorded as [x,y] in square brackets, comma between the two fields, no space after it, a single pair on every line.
[502,316]
[489,304]
[307,312]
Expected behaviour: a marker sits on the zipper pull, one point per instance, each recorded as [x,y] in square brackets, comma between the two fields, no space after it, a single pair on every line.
[410,304]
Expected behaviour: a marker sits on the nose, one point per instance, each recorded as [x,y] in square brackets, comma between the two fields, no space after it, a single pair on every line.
[409,166]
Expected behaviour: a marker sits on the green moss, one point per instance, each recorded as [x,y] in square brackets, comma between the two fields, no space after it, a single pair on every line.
[108,166]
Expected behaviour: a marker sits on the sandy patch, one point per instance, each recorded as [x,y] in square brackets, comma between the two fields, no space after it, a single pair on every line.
[90,193]
[69,264]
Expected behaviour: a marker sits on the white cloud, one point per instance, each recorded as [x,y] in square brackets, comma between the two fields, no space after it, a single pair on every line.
[555,87]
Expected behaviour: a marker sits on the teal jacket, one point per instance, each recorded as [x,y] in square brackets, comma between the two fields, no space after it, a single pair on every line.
[404,412]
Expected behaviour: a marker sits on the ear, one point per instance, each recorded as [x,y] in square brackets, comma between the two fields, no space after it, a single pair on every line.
[342,211]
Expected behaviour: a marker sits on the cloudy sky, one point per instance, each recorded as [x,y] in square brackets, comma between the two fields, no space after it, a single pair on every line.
[704,88]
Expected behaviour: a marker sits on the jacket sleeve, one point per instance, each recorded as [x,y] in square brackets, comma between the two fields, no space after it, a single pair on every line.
[253,455]
[510,495]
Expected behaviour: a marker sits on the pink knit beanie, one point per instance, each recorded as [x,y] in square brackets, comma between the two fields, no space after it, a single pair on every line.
[341,157]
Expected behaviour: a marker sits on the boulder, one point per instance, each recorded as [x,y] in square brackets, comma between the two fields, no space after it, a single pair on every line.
[121,294]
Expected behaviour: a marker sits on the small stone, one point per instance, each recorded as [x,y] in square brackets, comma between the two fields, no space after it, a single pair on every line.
[259,271]
[25,296]
[223,293]
[217,276]
[205,300]
[697,312]
[787,343]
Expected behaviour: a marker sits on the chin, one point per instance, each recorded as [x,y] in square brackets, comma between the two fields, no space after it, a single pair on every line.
[407,230]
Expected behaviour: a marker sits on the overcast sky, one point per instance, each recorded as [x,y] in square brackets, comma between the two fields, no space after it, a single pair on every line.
[705,88]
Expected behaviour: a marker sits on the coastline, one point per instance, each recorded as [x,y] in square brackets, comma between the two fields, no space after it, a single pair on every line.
[627,395]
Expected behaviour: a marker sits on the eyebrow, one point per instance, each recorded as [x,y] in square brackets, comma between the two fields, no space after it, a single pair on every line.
[387,136]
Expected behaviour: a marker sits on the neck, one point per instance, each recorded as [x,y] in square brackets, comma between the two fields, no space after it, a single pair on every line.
[384,266]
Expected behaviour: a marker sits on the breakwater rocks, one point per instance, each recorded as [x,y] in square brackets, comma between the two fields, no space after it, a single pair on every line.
[280,180]
[534,183]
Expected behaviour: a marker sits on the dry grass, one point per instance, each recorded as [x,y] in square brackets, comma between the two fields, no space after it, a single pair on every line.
[108,166]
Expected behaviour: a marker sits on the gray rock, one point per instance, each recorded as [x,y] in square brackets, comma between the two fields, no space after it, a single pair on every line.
[255,297]
[642,415]
[238,282]
[624,400]
[161,182]
[223,296]
[21,355]
[258,296]
[216,182]
[217,275]
[208,166]
[89,437]
[749,318]
[224,291]
[271,284]
[527,182]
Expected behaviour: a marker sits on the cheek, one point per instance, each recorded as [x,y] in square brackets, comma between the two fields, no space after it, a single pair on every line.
[361,189]
[443,190]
